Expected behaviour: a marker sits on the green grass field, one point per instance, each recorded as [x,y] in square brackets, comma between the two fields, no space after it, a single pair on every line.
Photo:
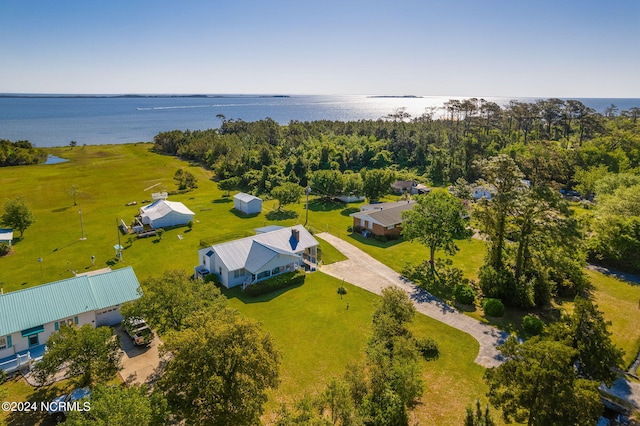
[318,336]
[109,177]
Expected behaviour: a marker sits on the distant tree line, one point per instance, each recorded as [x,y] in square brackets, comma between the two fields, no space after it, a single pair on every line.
[552,143]
[20,153]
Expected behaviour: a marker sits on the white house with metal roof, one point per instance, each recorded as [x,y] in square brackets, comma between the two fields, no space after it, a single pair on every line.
[164,213]
[252,259]
[247,203]
[28,317]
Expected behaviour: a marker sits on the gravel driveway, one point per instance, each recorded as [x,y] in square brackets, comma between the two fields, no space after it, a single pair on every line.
[364,271]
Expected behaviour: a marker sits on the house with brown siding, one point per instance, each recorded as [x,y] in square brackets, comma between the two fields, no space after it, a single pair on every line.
[383,219]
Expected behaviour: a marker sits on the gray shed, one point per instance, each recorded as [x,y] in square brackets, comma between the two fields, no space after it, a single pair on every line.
[247,203]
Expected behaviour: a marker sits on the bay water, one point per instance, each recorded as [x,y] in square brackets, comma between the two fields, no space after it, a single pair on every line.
[56,120]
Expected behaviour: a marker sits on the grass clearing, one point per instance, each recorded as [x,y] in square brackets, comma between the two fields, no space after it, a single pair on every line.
[620,302]
[318,336]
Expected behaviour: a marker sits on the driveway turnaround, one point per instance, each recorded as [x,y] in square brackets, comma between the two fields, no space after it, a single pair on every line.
[139,363]
[364,271]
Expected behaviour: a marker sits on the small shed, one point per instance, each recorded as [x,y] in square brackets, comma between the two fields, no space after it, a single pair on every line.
[6,236]
[247,203]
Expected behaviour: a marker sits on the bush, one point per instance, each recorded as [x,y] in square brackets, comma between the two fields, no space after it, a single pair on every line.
[532,325]
[342,290]
[349,229]
[212,278]
[4,249]
[285,280]
[463,293]
[381,238]
[428,348]
[493,307]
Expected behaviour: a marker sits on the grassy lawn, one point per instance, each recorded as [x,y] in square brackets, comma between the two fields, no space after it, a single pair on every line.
[619,300]
[318,336]
[109,177]
[19,390]
[329,254]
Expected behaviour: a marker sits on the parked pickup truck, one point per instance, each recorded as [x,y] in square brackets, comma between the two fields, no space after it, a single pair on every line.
[138,330]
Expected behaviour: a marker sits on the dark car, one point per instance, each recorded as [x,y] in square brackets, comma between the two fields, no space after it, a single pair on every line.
[138,330]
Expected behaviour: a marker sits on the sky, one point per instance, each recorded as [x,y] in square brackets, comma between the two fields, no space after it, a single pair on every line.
[514,48]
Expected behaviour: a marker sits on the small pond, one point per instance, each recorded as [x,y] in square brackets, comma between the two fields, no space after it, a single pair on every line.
[52,159]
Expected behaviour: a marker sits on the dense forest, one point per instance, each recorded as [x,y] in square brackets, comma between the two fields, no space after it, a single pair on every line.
[556,145]
[20,153]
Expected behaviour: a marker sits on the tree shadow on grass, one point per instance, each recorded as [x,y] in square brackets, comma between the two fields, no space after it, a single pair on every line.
[61,209]
[238,293]
[222,200]
[374,242]
[281,215]
[324,205]
[16,240]
[349,210]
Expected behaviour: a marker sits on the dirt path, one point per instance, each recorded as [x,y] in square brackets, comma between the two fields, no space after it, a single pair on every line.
[364,271]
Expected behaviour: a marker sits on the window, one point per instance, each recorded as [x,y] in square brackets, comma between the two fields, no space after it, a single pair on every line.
[263,274]
[67,321]
[33,340]
[239,273]
[277,270]
[391,227]
[3,342]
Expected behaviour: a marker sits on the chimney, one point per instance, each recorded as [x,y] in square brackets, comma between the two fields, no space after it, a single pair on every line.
[295,234]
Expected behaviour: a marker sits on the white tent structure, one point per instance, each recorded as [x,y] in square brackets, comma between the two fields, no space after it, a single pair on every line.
[164,213]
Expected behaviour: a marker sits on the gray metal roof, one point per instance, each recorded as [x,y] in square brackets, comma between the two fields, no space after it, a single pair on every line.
[245,197]
[253,252]
[46,303]
[386,214]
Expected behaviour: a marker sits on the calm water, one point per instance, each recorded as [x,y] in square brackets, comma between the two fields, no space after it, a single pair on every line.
[55,121]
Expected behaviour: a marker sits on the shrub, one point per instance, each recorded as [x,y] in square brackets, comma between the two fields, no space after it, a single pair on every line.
[428,348]
[342,290]
[285,280]
[212,278]
[463,293]
[349,229]
[493,307]
[381,238]
[532,325]
[190,224]
[4,249]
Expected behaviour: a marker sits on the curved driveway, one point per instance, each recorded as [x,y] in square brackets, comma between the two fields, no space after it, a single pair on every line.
[364,271]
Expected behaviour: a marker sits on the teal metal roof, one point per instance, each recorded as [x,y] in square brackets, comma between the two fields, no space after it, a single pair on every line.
[35,306]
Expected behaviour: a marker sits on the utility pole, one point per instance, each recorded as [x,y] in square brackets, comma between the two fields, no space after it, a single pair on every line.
[81,224]
[306,219]
[119,245]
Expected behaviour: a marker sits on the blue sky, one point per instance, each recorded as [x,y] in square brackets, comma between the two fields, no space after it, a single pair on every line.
[539,48]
